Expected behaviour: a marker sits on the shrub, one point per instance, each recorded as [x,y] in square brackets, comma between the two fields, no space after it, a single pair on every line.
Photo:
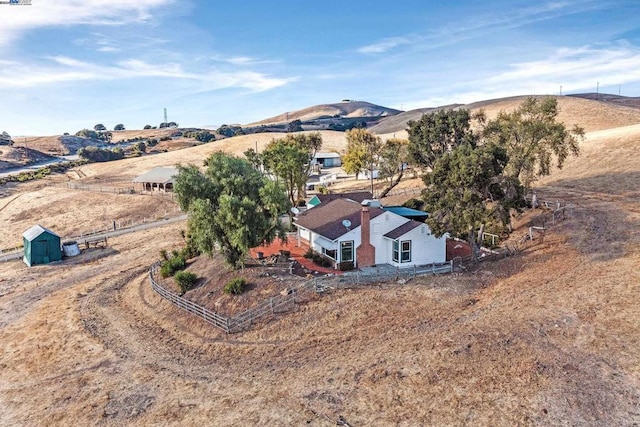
[172,265]
[414,203]
[317,258]
[235,286]
[95,154]
[164,255]
[346,266]
[185,280]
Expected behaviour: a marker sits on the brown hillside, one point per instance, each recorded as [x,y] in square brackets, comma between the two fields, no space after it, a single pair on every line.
[592,115]
[548,337]
[344,109]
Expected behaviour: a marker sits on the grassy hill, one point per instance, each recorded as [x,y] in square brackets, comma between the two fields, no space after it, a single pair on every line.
[591,114]
[548,337]
[346,109]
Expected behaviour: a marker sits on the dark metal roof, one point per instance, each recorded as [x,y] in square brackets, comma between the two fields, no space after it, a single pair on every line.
[403,229]
[406,212]
[326,219]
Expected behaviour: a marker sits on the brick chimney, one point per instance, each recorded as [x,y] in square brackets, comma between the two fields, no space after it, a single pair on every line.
[366,252]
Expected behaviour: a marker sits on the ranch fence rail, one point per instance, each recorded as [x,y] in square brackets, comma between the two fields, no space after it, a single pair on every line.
[98,233]
[100,188]
[279,303]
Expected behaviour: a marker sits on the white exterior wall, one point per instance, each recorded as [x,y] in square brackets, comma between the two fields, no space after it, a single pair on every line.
[304,234]
[425,248]
[381,225]
[353,235]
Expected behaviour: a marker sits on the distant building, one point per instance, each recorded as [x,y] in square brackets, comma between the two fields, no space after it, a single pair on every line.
[41,246]
[157,179]
[327,160]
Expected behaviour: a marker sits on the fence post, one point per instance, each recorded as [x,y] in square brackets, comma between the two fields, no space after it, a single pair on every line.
[271,303]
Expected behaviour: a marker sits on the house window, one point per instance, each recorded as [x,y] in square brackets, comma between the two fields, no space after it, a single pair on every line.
[330,253]
[405,253]
[401,251]
[396,251]
[346,251]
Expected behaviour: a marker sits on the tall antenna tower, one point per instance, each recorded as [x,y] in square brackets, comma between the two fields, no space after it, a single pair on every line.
[165,116]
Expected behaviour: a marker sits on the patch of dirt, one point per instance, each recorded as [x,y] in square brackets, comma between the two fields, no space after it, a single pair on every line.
[262,282]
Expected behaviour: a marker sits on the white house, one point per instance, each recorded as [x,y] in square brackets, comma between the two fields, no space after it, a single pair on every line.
[347,231]
[327,160]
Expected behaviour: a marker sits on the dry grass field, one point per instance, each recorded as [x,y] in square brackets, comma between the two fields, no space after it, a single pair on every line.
[548,337]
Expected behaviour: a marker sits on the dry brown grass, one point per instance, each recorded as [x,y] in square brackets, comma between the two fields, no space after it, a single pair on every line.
[549,337]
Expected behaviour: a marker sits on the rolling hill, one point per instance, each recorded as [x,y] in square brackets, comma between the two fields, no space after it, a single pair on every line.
[344,109]
[550,336]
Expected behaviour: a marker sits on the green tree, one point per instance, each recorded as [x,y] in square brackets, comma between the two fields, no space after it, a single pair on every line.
[363,152]
[437,133]
[254,158]
[147,127]
[86,133]
[294,126]
[467,190]
[5,138]
[99,127]
[391,162]
[532,137]
[231,206]
[119,126]
[289,159]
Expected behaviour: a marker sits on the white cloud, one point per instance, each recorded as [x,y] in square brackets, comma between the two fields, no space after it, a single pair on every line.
[384,45]
[50,13]
[575,69]
[579,68]
[62,69]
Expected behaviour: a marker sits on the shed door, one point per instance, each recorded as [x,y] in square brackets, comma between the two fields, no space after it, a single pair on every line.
[40,251]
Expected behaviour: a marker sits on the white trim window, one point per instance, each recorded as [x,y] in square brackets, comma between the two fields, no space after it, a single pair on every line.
[401,251]
[346,251]
[329,253]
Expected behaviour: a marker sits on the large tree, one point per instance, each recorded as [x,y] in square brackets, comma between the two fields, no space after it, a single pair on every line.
[437,133]
[231,206]
[363,153]
[392,161]
[289,159]
[466,190]
[533,138]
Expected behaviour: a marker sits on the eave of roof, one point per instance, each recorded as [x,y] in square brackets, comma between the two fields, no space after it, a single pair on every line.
[403,229]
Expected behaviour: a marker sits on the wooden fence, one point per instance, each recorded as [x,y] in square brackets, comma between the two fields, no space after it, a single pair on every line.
[99,188]
[307,289]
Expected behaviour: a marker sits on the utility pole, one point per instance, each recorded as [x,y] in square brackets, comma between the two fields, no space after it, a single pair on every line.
[560,90]
[597,90]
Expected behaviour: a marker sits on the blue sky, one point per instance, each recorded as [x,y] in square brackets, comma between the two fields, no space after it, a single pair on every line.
[67,65]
